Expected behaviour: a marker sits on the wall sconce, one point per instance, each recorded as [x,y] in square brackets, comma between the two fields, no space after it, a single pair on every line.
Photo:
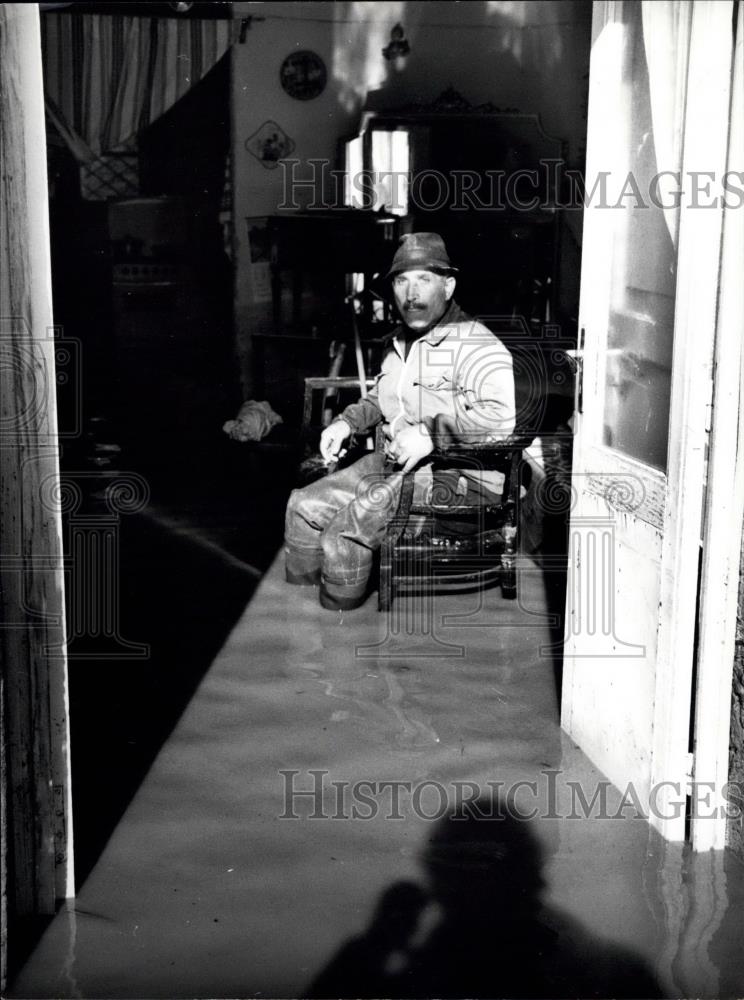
[397,48]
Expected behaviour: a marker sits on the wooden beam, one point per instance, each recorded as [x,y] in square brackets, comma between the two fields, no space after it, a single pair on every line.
[36,733]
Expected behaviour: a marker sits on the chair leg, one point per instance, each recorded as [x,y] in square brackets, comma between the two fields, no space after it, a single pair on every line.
[509,564]
[385,596]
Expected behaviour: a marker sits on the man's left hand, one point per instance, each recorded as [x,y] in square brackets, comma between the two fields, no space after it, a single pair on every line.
[410,445]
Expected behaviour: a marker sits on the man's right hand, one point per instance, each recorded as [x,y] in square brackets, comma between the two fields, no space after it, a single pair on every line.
[332,440]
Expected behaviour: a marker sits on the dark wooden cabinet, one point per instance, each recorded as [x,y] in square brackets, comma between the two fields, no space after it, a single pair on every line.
[313,257]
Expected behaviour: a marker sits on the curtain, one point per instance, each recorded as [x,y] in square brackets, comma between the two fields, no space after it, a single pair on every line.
[107,77]
[666,34]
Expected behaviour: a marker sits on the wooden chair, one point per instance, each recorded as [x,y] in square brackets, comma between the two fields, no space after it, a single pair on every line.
[421,549]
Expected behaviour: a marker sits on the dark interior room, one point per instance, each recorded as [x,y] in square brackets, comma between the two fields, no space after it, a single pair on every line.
[144,285]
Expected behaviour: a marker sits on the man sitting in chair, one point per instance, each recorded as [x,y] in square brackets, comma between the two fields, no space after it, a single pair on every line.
[445,378]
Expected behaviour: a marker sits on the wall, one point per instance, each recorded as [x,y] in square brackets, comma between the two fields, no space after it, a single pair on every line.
[522,54]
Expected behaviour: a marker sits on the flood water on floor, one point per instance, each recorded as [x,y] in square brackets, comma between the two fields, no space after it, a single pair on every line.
[299,833]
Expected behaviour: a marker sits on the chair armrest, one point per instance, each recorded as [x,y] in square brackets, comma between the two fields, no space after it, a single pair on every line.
[482,455]
[484,448]
[450,441]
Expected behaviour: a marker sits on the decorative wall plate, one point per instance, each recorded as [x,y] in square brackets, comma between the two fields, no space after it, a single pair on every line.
[269,144]
[303,75]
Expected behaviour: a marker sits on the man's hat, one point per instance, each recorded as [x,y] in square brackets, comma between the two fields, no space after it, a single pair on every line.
[421,251]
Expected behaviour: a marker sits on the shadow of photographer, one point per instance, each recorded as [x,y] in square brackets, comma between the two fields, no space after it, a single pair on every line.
[477,927]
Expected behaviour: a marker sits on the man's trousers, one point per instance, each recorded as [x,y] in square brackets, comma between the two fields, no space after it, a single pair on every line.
[335,525]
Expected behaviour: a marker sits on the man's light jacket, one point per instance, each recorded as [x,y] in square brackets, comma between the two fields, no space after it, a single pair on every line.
[456,381]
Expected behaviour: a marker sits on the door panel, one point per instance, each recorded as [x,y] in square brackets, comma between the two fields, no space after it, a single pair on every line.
[640,320]
[648,320]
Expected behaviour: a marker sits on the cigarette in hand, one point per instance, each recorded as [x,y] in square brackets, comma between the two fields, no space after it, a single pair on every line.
[332,459]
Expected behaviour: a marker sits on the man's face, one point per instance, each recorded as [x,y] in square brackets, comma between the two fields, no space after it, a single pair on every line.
[422,297]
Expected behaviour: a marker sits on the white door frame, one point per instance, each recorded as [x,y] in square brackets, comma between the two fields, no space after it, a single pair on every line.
[700,228]
[724,507]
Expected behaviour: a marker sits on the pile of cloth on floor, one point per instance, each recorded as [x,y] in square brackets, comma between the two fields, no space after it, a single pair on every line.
[253,422]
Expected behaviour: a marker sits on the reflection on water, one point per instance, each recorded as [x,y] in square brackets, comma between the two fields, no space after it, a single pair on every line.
[688,895]
[372,693]
[375,699]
